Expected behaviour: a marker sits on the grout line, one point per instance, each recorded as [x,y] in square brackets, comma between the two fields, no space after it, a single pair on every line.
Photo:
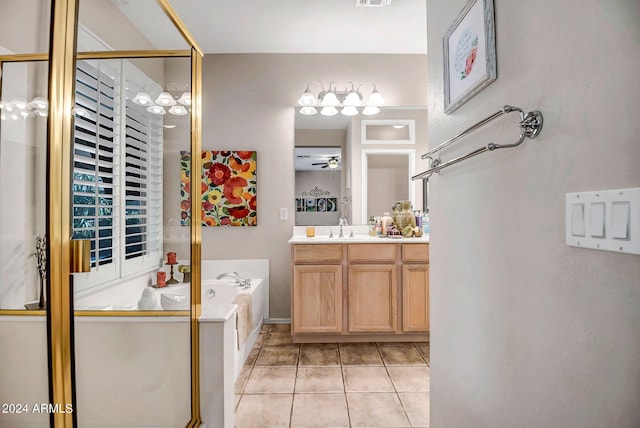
[406,415]
[344,387]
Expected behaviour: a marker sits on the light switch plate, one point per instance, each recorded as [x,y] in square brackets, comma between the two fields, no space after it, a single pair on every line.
[604,220]
[284,214]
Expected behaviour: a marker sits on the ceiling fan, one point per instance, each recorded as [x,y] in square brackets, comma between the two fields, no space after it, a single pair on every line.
[332,163]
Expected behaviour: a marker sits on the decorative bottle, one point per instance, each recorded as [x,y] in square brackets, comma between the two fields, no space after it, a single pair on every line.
[387,221]
[405,217]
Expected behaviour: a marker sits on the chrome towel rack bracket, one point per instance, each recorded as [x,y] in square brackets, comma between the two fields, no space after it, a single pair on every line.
[530,125]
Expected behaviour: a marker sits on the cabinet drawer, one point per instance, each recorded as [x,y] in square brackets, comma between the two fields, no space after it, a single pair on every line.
[415,253]
[317,253]
[372,252]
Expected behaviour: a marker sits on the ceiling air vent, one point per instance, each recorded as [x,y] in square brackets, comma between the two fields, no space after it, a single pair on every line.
[372,3]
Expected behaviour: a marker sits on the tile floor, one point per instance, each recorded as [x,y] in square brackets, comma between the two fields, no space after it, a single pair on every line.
[332,385]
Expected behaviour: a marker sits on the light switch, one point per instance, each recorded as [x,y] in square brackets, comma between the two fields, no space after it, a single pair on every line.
[577,219]
[603,220]
[596,219]
[284,214]
[620,213]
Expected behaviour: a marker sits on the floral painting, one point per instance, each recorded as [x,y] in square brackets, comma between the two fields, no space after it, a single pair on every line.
[228,188]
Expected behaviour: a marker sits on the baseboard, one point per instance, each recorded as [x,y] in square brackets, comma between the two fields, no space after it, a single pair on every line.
[278,321]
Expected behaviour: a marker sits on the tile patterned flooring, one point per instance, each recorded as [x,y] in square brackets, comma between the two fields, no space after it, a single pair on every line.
[332,385]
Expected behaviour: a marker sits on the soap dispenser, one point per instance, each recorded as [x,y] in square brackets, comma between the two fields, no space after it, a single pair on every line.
[425,222]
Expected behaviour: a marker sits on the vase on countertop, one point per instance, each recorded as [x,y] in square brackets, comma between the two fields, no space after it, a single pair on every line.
[405,217]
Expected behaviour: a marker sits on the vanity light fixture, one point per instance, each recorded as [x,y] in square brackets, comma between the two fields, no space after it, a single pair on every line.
[19,108]
[345,102]
[178,102]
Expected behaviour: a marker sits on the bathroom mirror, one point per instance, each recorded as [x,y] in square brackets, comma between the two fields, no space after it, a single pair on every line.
[318,185]
[378,158]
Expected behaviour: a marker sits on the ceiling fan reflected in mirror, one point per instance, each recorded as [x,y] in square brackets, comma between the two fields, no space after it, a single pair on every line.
[332,163]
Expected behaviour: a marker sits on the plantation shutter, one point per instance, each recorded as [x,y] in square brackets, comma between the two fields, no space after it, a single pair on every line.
[94,163]
[142,180]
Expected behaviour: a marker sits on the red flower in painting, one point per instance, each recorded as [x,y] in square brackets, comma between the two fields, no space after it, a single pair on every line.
[225,221]
[239,212]
[237,165]
[233,189]
[219,174]
[244,154]
[252,203]
[185,205]
[207,206]
[471,59]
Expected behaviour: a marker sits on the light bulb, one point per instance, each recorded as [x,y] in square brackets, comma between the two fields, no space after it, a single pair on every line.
[330,100]
[375,99]
[178,110]
[156,110]
[308,111]
[20,105]
[39,103]
[369,110]
[80,112]
[143,99]
[329,111]
[185,99]
[165,99]
[349,111]
[307,99]
[353,99]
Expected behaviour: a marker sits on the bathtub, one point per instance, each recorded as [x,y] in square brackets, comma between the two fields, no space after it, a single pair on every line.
[221,359]
[220,294]
[225,291]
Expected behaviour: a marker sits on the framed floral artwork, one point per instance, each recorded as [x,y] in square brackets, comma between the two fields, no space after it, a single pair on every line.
[469,48]
[229,188]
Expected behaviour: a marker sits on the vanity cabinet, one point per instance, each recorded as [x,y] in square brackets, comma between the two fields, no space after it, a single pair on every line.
[415,288]
[317,288]
[372,285]
[317,291]
[360,292]
[372,298]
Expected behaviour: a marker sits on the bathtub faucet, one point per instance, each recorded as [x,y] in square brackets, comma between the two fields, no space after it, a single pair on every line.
[246,283]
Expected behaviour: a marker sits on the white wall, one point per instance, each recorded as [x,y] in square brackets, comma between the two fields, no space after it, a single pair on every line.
[248,104]
[526,331]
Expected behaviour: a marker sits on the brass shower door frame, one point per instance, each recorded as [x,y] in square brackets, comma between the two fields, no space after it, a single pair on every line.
[62,61]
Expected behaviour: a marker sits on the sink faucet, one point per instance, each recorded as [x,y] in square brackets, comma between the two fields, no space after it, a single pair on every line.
[246,283]
[342,222]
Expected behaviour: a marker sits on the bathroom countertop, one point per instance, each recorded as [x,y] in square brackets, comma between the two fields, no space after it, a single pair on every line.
[358,239]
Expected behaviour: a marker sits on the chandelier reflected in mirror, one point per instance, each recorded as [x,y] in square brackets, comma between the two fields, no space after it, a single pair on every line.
[170,100]
[346,102]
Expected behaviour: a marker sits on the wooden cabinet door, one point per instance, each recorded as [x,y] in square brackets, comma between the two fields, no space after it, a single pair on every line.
[415,298]
[317,299]
[372,298]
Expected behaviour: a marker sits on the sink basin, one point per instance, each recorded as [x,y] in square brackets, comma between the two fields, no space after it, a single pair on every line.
[174,302]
